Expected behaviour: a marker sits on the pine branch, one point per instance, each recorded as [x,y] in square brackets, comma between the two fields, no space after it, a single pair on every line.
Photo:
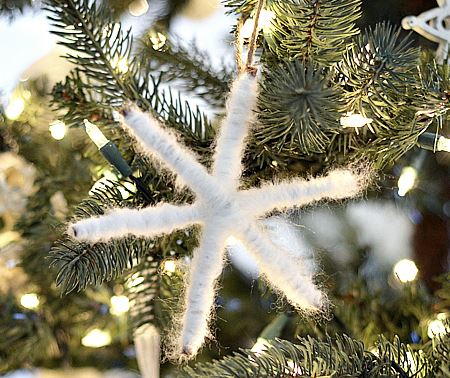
[378,70]
[342,357]
[102,52]
[191,65]
[313,30]
[142,287]
[381,81]
[80,264]
[298,105]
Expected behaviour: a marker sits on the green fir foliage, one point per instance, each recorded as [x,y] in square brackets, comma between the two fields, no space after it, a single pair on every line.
[338,357]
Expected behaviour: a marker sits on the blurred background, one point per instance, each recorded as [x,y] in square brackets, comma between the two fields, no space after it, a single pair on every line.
[381,257]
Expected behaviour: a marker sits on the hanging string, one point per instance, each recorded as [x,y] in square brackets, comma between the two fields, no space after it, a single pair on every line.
[254,37]
[239,44]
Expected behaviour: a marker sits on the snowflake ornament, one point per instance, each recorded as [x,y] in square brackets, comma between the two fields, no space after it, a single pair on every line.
[223,211]
[434,25]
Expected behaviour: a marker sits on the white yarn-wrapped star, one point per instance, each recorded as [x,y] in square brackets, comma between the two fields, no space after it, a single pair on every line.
[222,210]
[434,25]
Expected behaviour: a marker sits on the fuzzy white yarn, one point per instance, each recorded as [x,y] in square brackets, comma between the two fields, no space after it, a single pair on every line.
[148,222]
[222,210]
[230,144]
[284,267]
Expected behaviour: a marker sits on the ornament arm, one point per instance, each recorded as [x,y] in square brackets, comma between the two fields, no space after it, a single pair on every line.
[286,273]
[338,184]
[234,129]
[206,266]
[147,222]
[156,141]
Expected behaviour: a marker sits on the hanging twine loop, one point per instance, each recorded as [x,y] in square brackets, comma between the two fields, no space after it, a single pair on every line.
[249,67]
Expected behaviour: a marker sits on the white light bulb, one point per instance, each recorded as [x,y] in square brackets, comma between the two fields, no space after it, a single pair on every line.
[354,120]
[119,305]
[265,20]
[443,144]
[406,270]
[436,327]
[138,8]
[58,130]
[95,134]
[30,301]
[407,180]
[96,338]
[15,108]
[169,267]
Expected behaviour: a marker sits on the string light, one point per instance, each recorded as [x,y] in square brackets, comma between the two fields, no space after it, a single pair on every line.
[406,270]
[265,20]
[30,301]
[111,153]
[354,120]
[96,338]
[433,142]
[407,180]
[119,305]
[58,130]
[138,8]
[15,108]
[108,149]
[95,134]
[436,327]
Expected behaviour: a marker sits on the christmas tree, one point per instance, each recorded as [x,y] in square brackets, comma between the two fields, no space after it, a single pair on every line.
[284,214]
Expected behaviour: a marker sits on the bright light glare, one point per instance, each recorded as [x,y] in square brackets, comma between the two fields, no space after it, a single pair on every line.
[406,270]
[169,266]
[15,108]
[407,180]
[436,327]
[96,338]
[30,301]
[119,305]
[354,120]
[58,130]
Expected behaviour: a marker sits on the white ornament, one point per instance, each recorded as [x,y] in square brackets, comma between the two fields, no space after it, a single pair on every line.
[222,209]
[434,25]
